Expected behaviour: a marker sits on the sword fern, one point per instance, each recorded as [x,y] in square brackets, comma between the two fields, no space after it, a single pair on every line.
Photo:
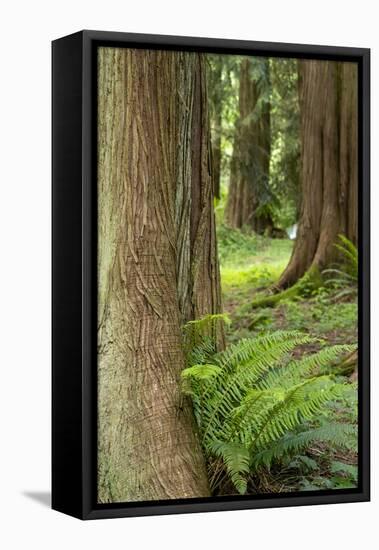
[253,401]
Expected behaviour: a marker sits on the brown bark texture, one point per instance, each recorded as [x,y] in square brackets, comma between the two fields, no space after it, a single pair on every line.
[329,165]
[215,94]
[157,268]
[249,171]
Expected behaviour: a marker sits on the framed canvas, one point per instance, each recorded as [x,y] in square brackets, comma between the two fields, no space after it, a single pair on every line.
[210,275]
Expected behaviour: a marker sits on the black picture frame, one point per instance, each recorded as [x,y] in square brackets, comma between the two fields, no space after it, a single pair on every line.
[74,292]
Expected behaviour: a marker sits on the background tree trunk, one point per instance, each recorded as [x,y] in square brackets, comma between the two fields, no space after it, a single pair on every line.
[328,105]
[216,117]
[157,267]
[250,163]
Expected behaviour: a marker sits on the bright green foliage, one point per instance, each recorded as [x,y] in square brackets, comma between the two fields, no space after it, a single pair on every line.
[304,287]
[336,434]
[253,402]
[200,337]
[206,322]
[322,314]
[237,244]
[201,372]
[350,256]
[345,276]
[236,458]
[242,248]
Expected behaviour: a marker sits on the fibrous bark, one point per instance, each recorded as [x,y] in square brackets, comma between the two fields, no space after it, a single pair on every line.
[157,268]
[328,105]
[216,96]
[250,162]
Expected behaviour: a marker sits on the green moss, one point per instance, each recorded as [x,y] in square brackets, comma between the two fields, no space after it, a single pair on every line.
[304,286]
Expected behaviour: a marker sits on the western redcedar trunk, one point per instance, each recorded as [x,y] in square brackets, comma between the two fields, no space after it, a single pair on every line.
[329,176]
[157,268]
[250,163]
[216,118]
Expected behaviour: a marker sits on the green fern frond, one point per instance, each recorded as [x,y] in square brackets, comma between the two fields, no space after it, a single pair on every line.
[243,365]
[253,400]
[349,252]
[237,461]
[347,273]
[302,402]
[200,337]
[306,366]
[207,321]
[292,443]
[201,372]
[202,352]
[272,345]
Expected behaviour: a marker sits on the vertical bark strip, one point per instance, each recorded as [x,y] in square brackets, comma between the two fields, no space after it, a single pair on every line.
[152,271]
[217,103]
[205,284]
[329,110]
[348,151]
[251,157]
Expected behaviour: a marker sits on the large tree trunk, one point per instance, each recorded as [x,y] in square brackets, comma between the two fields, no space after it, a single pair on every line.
[328,105]
[250,163]
[157,267]
[215,94]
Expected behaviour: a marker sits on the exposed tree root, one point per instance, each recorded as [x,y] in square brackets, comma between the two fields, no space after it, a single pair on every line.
[310,281]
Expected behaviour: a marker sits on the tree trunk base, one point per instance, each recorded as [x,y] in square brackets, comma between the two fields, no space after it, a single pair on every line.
[310,281]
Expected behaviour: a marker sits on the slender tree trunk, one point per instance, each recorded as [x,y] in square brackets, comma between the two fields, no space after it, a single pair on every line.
[251,157]
[328,104]
[154,210]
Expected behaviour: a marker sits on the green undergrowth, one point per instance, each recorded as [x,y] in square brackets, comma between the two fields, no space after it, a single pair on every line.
[248,268]
[262,408]
[239,249]
[303,288]
[319,314]
[327,313]
[246,279]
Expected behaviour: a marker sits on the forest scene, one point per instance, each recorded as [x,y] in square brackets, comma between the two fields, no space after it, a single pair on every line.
[227,275]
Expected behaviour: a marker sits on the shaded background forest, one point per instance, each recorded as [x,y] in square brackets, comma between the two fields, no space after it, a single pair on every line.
[284,161]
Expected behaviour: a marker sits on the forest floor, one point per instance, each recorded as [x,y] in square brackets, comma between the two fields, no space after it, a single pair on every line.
[249,266]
